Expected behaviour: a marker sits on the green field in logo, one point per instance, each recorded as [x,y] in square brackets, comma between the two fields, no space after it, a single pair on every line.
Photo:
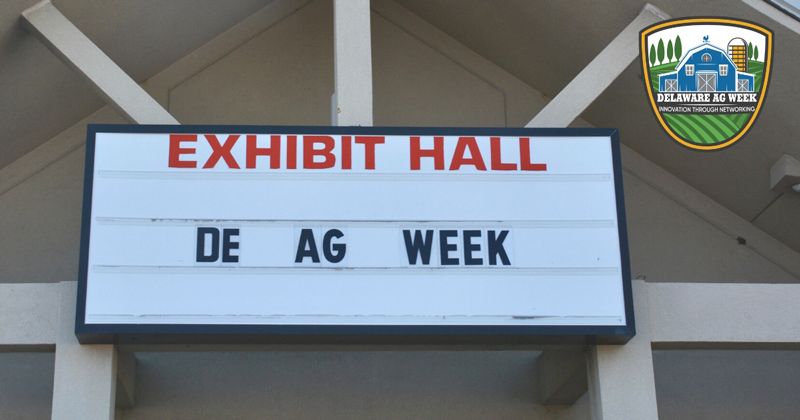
[707,128]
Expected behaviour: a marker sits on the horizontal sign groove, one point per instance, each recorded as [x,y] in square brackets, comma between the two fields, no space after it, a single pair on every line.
[361,176]
[300,271]
[141,221]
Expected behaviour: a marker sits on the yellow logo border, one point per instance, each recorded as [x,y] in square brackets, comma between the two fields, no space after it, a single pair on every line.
[706,20]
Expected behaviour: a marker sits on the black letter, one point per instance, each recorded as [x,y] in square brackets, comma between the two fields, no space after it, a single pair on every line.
[445,247]
[201,244]
[228,245]
[496,247]
[307,239]
[469,247]
[418,246]
[339,248]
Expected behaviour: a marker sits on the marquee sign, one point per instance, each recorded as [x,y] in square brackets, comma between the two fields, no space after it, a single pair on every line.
[351,234]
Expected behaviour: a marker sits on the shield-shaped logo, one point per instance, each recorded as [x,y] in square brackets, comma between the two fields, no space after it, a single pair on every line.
[706,78]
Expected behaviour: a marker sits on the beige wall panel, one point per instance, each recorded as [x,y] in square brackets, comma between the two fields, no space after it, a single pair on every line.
[727,384]
[669,243]
[40,224]
[40,218]
[26,385]
[340,385]
[773,219]
[283,76]
[414,85]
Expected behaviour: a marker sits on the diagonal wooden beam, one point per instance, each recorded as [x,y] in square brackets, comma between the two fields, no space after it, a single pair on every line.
[598,75]
[81,55]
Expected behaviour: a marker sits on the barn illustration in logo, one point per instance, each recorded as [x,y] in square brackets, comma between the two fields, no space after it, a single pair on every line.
[706,78]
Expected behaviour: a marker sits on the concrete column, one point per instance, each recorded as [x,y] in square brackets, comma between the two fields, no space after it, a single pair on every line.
[352,52]
[84,384]
[621,380]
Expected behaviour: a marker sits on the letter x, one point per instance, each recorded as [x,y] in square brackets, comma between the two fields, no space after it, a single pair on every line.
[223,151]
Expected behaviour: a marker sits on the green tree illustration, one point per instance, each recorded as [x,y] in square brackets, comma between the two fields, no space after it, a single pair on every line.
[669,51]
[755,53]
[678,48]
[652,55]
[660,51]
[750,50]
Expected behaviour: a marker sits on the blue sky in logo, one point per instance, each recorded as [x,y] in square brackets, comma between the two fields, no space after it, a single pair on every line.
[718,35]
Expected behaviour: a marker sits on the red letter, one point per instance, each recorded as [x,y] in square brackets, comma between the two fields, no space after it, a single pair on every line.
[309,152]
[437,153]
[475,159]
[525,157]
[224,151]
[369,143]
[347,153]
[291,152]
[273,151]
[175,151]
[497,162]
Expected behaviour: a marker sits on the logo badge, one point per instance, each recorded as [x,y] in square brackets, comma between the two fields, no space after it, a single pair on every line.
[706,78]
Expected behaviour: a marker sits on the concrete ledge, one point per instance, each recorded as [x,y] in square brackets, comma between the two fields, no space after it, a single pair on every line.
[705,315]
[28,316]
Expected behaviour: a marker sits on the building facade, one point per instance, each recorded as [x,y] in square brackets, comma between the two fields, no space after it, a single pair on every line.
[715,250]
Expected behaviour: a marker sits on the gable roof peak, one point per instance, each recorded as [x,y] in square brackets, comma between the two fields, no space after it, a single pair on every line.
[704,46]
